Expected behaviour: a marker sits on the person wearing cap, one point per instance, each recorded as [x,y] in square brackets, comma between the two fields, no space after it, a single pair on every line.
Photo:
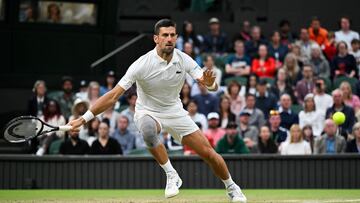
[247,132]
[279,134]
[215,41]
[231,143]
[265,100]
[66,97]
[83,90]
[110,82]
[214,132]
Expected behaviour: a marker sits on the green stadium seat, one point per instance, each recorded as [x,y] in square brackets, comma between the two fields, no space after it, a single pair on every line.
[328,84]
[239,79]
[341,79]
[296,108]
[270,81]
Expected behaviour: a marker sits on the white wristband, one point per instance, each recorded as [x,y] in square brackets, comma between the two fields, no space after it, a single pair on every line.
[88,116]
[212,87]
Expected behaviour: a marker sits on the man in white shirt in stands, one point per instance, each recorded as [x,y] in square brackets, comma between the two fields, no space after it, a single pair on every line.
[322,100]
[345,34]
[159,76]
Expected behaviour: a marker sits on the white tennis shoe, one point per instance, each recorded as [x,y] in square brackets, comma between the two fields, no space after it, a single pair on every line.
[173,183]
[235,195]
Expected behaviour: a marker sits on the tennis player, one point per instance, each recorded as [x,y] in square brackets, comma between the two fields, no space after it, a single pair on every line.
[159,76]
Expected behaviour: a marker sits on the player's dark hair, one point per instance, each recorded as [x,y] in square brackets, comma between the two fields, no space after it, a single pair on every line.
[163,23]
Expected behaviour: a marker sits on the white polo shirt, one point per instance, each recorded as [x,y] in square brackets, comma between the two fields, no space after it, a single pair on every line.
[159,83]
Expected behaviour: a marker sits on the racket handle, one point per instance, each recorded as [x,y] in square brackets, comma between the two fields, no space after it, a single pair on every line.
[65,127]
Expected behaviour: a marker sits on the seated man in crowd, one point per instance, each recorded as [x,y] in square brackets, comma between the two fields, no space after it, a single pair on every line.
[265,100]
[330,142]
[215,41]
[66,97]
[256,115]
[206,102]
[279,134]
[252,46]
[239,63]
[318,33]
[124,137]
[247,132]
[105,144]
[214,132]
[345,33]
[39,99]
[306,85]
[231,143]
[288,117]
[74,145]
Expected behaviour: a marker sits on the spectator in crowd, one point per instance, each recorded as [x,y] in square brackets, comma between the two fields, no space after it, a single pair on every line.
[277,49]
[236,100]
[323,101]
[112,116]
[279,134]
[252,46]
[209,64]
[319,63]
[353,146]
[305,85]
[345,33]
[282,85]
[296,145]
[296,50]
[231,143]
[355,51]
[195,116]
[288,117]
[185,94]
[344,64]
[263,65]
[94,92]
[52,116]
[37,102]
[305,44]
[292,68]
[330,142]
[66,98]
[53,13]
[105,144]
[189,50]
[244,34]
[78,109]
[310,116]
[225,114]
[251,84]
[257,118]
[189,35]
[130,113]
[74,145]
[248,133]
[110,83]
[349,98]
[308,136]
[318,33]
[124,137]
[239,63]
[206,102]
[92,130]
[83,90]
[287,37]
[215,41]
[214,132]
[339,105]
[265,100]
[266,145]
[330,49]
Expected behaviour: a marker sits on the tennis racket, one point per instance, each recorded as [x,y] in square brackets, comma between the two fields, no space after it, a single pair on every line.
[24,128]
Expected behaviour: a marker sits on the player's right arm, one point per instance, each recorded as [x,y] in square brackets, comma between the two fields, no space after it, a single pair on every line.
[104,102]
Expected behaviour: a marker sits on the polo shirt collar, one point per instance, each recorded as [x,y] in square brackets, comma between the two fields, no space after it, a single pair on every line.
[174,60]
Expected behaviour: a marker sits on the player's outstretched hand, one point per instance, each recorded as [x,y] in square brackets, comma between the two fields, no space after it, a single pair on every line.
[76,124]
[207,79]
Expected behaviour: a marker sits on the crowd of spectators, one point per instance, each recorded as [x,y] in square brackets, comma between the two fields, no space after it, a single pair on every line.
[277,95]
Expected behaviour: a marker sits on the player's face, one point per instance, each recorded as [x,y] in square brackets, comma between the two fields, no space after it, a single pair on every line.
[166,39]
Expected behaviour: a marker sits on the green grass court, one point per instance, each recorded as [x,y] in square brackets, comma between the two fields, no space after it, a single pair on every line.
[186,195]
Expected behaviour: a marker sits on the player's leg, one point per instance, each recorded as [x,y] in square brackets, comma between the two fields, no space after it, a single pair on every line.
[202,147]
[150,129]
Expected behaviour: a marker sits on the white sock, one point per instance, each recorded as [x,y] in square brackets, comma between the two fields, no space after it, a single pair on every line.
[228,182]
[168,167]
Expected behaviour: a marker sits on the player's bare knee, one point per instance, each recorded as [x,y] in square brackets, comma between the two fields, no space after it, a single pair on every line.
[148,130]
[208,154]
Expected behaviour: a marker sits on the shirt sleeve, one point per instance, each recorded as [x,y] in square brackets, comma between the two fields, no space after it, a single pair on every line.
[130,76]
[192,68]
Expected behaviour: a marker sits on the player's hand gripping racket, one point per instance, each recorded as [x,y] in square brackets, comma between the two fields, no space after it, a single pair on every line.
[24,128]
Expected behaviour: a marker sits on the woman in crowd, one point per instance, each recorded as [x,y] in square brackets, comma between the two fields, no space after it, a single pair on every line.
[353,146]
[348,97]
[236,100]
[344,64]
[226,115]
[308,136]
[292,68]
[282,85]
[311,116]
[263,65]
[277,49]
[185,95]
[296,145]
[266,145]
[319,62]
[195,116]
[92,130]
[251,84]
[188,35]
[94,92]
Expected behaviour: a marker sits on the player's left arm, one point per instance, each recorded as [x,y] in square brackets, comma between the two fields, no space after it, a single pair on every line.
[208,80]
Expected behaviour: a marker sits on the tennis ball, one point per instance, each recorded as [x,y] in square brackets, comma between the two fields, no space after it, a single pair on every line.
[339,118]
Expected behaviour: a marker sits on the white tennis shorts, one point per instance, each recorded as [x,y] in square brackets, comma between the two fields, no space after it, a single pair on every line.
[177,127]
